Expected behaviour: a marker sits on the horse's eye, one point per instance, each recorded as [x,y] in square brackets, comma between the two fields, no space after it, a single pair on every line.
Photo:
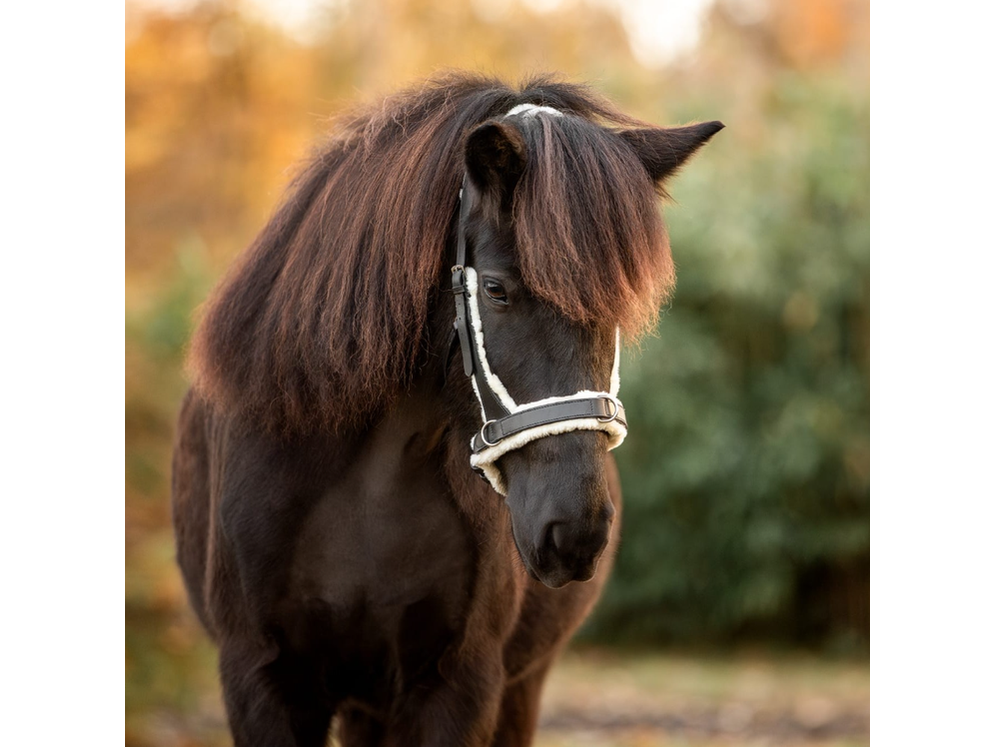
[495,290]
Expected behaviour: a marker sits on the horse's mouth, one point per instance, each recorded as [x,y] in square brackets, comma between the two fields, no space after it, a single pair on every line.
[558,576]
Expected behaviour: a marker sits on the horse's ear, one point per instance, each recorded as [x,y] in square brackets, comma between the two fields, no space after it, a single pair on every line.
[663,150]
[495,157]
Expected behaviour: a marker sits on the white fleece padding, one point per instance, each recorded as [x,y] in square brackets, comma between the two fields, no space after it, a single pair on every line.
[583,394]
[531,110]
[475,322]
[486,459]
[484,415]
[614,378]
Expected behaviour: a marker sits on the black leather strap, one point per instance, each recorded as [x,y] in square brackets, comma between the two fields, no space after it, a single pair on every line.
[472,365]
[494,431]
[461,326]
[459,285]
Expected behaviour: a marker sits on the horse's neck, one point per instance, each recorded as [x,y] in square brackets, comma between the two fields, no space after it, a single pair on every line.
[419,429]
[413,427]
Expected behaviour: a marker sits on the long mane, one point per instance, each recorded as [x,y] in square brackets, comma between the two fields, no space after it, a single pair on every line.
[322,321]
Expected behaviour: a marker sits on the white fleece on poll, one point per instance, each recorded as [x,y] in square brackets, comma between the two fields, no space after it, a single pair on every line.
[486,459]
[531,110]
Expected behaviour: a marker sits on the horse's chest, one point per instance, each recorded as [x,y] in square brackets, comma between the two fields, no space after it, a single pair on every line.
[382,572]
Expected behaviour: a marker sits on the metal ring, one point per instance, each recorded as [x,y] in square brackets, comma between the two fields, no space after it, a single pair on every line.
[485,438]
[615,411]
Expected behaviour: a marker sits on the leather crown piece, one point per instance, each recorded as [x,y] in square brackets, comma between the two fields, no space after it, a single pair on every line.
[508,425]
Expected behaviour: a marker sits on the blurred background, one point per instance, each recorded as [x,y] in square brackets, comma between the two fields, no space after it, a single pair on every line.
[738,612]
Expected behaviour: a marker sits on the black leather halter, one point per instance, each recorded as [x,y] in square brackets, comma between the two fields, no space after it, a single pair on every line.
[501,422]
[490,402]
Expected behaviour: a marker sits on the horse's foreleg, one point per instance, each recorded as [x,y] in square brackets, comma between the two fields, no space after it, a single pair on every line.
[458,706]
[520,709]
[360,729]
[270,702]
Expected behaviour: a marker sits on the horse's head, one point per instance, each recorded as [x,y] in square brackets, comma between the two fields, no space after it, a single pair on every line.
[566,245]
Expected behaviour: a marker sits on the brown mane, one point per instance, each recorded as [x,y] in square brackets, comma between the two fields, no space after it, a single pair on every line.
[323,320]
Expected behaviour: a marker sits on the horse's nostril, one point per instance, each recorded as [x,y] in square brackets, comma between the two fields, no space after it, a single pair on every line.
[605,534]
[577,546]
[608,511]
[556,537]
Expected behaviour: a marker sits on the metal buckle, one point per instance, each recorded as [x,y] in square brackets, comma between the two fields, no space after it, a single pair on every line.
[485,438]
[458,284]
[615,411]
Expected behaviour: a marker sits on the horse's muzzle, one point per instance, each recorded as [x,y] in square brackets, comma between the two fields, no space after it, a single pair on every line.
[561,510]
[570,552]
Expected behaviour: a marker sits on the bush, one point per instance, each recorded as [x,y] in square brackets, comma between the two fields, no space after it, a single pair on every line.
[745,474]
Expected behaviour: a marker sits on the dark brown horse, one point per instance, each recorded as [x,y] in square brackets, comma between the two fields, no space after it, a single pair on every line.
[333,538]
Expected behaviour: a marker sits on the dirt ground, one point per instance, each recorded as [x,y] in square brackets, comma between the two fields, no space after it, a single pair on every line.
[602,699]
[599,698]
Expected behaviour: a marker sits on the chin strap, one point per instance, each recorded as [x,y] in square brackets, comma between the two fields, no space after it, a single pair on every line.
[508,425]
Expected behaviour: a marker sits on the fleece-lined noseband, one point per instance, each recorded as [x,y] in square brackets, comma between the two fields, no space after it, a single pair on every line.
[509,425]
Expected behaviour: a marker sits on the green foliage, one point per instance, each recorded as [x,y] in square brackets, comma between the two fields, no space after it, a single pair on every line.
[745,474]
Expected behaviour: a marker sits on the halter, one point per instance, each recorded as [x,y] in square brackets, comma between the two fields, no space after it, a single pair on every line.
[508,425]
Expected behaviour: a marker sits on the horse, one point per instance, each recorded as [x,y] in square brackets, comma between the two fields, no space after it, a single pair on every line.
[392,493]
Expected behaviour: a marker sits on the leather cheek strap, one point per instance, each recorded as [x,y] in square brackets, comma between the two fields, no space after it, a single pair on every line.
[604,409]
